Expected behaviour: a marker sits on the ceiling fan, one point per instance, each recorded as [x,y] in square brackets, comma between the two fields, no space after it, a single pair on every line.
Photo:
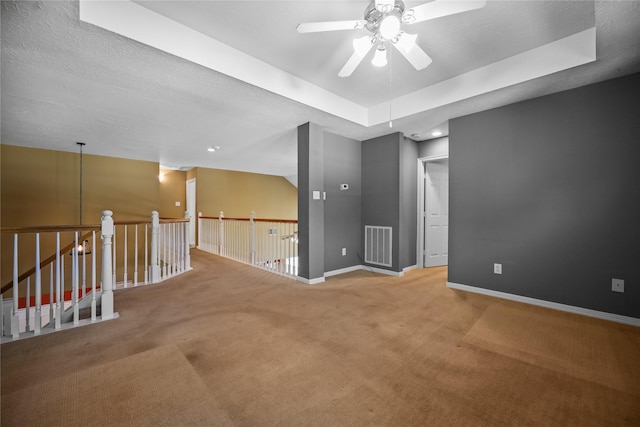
[384,20]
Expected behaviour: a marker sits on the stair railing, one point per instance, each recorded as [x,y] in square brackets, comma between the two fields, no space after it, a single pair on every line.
[271,244]
[121,258]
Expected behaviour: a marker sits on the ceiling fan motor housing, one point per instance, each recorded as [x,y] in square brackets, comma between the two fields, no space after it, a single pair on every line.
[374,17]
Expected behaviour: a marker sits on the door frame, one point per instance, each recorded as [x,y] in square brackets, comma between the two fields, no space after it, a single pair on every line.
[421,176]
[194,222]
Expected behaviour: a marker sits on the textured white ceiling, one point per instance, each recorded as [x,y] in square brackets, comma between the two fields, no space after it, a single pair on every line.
[64,80]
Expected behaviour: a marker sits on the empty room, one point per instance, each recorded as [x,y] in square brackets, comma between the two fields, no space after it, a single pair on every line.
[320,213]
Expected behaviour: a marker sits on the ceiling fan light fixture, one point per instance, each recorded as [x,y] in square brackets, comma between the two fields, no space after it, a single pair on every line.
[380,58]
[408,17]
[390,27]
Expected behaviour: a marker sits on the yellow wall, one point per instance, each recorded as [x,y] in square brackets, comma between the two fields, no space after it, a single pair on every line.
[239,193]
[42,187]
[172,190]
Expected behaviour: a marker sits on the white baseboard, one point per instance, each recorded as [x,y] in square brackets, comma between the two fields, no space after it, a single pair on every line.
[310,281]
[343,270]
[411,267]
[383,271]
[370,268]
[548,304]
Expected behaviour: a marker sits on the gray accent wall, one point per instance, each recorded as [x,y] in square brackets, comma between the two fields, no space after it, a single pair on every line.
[434,147]
[389,191]
[381,187]
[310,211]
[342,208]
[408,209]
[549,188]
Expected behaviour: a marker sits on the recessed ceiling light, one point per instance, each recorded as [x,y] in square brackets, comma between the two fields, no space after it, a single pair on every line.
[415,135]
[212,149]
[436,133]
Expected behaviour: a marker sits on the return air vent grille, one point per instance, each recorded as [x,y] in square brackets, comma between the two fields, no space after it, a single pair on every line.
[377,245]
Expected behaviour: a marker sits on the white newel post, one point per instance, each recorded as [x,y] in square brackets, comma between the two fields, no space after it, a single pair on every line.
[253,238]
[155,266]
[107,262]
[221,234]
[199,245]
[187,246]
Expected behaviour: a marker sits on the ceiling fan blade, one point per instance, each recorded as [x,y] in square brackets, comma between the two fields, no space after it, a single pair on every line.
[361,48]
[417,57]
[316,27]
[438,8]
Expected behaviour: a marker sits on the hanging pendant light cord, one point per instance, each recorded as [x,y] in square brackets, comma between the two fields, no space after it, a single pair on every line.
[390,92]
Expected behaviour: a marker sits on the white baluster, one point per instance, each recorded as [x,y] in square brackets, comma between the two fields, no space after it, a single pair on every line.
[15,325]
[27,310]
[107,232]
[154,272]
[126,241]
[200,245]
[62,264]
[59,299]
[94,290]
[84,269]
[146,255]
[221,234]
[38,315]
[172,244]
[164,248]
[51,294]
[135,260]
[114,259]
[253,237]
[75,283]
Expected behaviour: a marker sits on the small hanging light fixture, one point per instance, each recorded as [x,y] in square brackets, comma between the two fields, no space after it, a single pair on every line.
[380,58]
[83,247]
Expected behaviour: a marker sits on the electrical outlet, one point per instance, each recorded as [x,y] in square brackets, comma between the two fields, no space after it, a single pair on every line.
[617,285]
[497,268]
[344,251]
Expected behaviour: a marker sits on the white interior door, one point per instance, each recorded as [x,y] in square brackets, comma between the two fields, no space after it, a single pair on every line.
[436,213]
[191,208]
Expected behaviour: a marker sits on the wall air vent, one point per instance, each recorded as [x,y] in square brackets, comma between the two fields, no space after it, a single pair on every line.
[377,245]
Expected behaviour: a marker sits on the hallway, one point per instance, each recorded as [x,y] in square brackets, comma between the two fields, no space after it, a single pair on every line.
[228,344]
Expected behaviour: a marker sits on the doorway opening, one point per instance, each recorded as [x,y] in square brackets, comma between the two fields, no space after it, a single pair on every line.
[191,208]
[433,212]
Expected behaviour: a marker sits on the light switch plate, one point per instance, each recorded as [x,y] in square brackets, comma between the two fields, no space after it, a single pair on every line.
[497,268]
[316,195]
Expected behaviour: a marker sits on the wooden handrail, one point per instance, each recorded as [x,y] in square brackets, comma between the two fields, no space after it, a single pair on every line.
[173,220]
[48,228]
[90,227]
[162,221]
[45,262]
[286,221]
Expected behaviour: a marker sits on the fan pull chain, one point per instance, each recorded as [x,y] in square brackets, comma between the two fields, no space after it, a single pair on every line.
[390,92]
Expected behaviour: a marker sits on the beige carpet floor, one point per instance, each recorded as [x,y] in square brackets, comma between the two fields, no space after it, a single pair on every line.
[228,344]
